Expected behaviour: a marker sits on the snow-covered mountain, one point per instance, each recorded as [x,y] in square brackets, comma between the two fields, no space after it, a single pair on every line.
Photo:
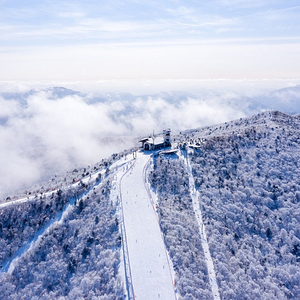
[286,100]
[217,219]
[247,175]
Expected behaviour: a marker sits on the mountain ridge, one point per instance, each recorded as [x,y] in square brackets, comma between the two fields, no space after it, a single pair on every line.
[268,118]
[243,178]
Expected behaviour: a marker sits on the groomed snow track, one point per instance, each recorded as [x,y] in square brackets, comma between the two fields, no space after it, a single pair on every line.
[147,268]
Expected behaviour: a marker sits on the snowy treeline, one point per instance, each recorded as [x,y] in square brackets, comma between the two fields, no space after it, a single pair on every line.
[19,223]
[250,200]
[179,226]
[78,258]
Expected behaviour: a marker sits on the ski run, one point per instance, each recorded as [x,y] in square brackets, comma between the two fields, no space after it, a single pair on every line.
[149,268]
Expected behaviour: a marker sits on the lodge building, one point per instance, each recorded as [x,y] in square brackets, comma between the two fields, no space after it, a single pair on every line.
[158,141]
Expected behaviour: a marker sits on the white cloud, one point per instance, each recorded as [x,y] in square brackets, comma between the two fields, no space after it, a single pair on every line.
[8,109]
[180,11]
[72,14]
[242,3]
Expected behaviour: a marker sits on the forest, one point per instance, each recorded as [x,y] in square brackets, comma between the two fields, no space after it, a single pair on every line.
[169,179]
[250,200]
[77,257]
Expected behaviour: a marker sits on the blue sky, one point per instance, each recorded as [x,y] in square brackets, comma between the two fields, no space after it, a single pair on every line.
[90,40]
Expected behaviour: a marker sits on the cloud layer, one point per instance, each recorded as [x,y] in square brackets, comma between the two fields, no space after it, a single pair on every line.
[53,130]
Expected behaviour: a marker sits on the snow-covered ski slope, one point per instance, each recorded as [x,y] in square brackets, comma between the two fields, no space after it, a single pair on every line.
[150,268]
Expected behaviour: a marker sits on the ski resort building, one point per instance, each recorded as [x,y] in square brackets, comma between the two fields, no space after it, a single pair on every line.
[158,141]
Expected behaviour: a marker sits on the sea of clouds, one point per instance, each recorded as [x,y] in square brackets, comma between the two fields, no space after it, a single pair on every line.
[50,130]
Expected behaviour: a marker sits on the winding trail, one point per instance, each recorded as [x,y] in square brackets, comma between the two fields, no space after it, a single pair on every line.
[149,266]
[196,206]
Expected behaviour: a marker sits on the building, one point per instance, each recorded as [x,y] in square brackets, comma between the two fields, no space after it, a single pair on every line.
[158,141]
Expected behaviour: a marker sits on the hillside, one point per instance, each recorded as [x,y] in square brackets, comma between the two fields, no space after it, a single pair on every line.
[247,175]
[221,216]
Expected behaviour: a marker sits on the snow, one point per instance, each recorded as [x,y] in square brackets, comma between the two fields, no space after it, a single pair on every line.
[197,209]
[149,264]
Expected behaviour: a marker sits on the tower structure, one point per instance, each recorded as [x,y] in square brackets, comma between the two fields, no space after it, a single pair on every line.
[167,137]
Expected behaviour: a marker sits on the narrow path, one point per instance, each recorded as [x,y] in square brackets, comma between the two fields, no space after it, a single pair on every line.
[196,205]
[10,264]
[87,179]
[151,276]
